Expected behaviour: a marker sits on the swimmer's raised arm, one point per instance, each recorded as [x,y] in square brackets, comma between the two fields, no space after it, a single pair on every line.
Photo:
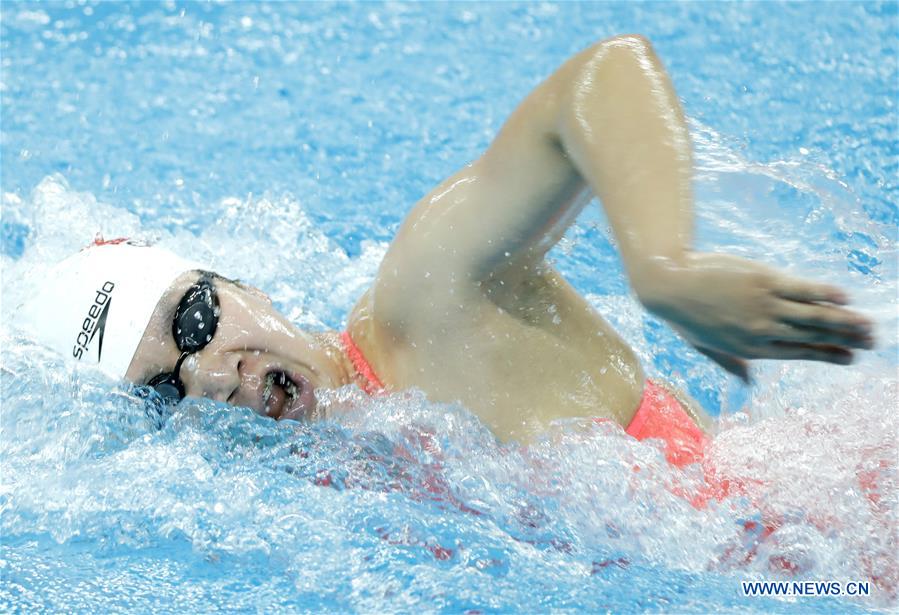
[609,121]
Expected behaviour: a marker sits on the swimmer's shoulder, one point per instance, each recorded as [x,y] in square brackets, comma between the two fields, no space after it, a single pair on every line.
[381,327]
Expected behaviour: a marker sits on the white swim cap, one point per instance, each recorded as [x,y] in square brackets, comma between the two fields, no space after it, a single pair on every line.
[95,305]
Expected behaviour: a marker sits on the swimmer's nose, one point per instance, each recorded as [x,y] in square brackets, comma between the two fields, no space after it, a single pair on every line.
[211,375]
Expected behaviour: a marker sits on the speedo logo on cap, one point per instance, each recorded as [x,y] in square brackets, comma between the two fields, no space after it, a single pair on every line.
[94,325]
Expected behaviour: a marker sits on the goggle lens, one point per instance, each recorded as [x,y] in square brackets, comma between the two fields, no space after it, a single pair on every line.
[168,387]
[196,320]
[197,316]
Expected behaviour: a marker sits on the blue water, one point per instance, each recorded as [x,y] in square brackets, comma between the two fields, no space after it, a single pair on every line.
[283,143]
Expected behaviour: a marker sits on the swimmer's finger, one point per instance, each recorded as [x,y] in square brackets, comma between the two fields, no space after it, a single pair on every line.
[795,289]
[809,352]
[824,317]
[734,365]
[797,334]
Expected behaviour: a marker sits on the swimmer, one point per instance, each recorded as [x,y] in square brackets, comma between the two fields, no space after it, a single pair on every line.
[464,305]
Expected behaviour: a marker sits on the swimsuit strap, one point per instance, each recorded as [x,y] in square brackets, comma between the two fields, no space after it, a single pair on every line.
[372,384]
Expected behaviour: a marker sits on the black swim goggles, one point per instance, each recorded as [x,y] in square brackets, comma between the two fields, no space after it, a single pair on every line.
[195,322]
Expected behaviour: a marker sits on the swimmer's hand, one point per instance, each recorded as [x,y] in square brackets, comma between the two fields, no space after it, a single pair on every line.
[732,309]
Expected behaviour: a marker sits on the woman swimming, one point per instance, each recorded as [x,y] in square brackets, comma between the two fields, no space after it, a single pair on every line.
[464,306]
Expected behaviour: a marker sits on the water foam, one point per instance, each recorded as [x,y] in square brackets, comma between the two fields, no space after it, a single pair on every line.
[413,496]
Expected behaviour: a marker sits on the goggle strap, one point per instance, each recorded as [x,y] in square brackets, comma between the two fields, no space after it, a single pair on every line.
[176,373]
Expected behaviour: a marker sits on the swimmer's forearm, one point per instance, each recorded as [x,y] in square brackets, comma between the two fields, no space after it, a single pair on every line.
[623,128]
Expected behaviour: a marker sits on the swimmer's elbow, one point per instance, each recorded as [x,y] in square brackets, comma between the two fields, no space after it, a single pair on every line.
[612,59]
[632,40]
[636,45]
[596,83]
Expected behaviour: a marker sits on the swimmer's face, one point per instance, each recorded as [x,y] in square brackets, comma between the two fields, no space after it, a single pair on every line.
[256,358]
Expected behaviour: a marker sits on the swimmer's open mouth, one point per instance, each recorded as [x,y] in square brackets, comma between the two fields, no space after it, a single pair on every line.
[280,394]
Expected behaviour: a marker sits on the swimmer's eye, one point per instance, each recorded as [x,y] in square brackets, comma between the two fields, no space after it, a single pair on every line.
[197,316]
[195,322]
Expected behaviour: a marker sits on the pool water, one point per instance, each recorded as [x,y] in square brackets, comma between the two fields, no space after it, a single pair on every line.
[282,144]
